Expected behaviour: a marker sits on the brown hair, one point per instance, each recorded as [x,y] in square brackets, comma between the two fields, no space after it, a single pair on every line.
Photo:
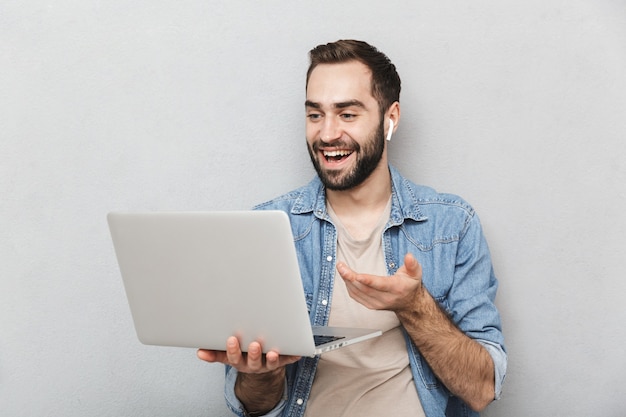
[385,79]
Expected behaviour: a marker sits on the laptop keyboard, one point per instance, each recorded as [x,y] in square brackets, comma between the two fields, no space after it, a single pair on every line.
[320,340]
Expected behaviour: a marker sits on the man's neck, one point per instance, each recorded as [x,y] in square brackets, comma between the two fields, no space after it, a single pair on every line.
[360,208]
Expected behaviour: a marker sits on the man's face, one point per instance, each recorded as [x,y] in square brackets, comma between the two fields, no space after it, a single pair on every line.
[344,130]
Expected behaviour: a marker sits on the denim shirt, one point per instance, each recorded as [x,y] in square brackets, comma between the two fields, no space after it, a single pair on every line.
[444,234]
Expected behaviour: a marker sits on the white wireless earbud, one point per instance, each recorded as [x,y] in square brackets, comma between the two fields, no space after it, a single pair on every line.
[390,131]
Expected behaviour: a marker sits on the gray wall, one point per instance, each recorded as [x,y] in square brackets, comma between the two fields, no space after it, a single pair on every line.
[519,106]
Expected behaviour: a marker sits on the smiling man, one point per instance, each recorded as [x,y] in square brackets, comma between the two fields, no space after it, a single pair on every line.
[388,254]
[343,131]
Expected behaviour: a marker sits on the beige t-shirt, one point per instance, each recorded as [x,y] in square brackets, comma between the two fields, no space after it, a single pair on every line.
[371,378]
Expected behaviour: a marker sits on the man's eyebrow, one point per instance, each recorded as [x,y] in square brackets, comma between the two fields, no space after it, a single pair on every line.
[350,103]
[340,105]
[312,104]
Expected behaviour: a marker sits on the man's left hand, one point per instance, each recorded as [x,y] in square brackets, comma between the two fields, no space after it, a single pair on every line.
[396,293]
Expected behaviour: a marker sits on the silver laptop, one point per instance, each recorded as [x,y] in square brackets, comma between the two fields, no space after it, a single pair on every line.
[193,279]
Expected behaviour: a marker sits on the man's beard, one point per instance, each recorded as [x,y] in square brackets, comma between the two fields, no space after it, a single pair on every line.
[368,157]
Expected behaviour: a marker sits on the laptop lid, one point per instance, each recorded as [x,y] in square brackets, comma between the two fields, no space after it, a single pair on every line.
[193,279]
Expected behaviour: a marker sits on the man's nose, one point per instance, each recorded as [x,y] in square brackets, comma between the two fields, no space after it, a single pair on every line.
[331,130]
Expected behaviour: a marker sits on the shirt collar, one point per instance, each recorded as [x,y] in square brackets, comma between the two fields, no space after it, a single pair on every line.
[404,205]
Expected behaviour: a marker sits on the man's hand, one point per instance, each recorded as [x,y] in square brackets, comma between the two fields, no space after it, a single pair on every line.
[260,378]
[461,363]
[395,293]
[253,362]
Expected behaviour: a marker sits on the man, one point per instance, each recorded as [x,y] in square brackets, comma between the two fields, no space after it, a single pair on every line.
[376,250]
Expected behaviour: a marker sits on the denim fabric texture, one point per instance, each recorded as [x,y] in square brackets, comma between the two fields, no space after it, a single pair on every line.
[444,234]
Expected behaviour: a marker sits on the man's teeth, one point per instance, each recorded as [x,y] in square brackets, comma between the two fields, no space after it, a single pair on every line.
[329,154]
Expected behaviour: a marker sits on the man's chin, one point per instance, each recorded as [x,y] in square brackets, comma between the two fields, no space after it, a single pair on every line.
[341,178]
[338,180]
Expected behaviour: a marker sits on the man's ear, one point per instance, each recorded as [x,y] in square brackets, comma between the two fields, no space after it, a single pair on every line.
[393,119]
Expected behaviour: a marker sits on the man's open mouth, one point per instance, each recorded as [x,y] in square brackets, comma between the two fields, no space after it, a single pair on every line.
[337,155]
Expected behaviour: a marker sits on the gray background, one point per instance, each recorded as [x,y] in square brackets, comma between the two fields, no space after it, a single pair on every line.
[518,106]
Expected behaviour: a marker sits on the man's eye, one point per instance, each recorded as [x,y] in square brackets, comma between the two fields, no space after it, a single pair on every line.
[348,116]
[314,116]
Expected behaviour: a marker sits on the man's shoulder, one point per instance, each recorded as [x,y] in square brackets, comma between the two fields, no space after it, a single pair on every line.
[428,198]
[300,199]
[284,200]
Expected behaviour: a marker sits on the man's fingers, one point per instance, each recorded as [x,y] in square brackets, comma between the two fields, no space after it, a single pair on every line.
[412,267]
[272,360]
[233,352]
[345,272]
[211,355]
[253,361]
[255,357]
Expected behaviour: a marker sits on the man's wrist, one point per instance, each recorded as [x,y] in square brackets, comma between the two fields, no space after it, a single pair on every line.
[417,307]
[260,393]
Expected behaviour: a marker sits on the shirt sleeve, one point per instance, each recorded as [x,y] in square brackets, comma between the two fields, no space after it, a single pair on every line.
[499,362]
[233,403]
[473,298]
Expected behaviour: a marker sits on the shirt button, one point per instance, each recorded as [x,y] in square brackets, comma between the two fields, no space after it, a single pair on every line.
[329,258]
[324,302]
[300,401]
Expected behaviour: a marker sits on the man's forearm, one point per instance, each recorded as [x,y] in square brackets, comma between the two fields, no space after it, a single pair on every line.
[260,393]
[462,364]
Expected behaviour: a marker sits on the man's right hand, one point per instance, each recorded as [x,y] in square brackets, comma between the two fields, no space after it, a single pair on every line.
[260,379]
[252,362]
